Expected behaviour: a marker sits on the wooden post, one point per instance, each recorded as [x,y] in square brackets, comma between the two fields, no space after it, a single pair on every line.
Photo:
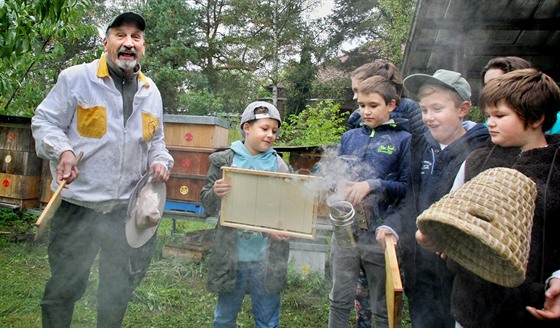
[393,284]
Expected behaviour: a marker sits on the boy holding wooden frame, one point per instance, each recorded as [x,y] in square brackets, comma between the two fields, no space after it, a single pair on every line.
[244,260]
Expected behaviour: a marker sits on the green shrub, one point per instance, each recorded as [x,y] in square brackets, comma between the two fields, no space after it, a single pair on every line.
[16,222]
[317,125]
[476,115]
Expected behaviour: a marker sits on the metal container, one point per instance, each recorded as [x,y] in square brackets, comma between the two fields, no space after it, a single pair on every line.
[341,215]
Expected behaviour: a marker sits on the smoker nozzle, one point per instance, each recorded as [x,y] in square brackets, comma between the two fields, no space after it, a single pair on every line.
[341,210]
[342,219]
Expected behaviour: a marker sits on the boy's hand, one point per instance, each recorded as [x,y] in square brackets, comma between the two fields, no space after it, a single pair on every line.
[428,242]
[221,187]
[380,236]
[354,192]
[278,236]
[551,309]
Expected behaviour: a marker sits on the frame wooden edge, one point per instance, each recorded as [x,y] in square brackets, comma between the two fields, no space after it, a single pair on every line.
[393,283]
[269,174]
[269,230]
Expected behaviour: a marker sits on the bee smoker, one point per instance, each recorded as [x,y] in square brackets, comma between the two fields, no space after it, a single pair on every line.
[342,215]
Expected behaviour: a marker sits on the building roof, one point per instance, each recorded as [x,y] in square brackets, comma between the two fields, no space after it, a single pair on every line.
[463,35]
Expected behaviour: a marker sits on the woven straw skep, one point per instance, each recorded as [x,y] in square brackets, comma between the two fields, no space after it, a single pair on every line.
[485,225]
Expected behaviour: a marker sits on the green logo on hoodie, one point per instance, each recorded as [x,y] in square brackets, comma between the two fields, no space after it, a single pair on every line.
[389,150]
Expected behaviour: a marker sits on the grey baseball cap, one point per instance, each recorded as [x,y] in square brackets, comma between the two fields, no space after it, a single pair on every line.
[249,113]
[449,79]
[128,18]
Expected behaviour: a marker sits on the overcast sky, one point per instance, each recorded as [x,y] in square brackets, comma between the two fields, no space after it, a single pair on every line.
[323,9]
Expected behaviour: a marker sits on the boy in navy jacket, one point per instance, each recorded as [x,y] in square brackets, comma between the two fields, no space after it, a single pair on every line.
[376,156]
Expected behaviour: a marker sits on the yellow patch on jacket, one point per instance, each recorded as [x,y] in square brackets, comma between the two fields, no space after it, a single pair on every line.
[150,125]
[92,121]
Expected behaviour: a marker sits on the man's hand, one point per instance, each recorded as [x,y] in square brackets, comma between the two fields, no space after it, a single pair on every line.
[551,309]
[161,173]
[66,168]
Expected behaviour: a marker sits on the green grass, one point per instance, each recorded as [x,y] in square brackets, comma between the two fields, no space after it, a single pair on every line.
[173,293]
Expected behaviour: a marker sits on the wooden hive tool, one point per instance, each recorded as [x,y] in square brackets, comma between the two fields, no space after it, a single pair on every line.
[53,204]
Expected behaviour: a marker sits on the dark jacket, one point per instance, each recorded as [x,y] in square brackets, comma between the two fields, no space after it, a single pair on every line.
[431,175]
[381,157]
[479,303]
[407,109]
[222,267]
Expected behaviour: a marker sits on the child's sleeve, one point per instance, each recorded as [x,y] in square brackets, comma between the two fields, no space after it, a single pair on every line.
[555,275]
[282,166]
[208,198]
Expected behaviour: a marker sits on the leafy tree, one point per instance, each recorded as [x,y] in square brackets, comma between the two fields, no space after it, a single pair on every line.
[38,38]
[331,83]
[207,56]
[246,37]
[351,22]
[19,20]
[299,79]
[476,114]
[373,24]
[170,48]
[201,102]
[397,18]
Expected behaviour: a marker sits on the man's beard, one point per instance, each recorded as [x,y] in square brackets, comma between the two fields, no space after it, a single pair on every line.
[126,65]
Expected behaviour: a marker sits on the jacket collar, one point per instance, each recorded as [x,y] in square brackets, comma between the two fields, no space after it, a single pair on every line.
[103,71]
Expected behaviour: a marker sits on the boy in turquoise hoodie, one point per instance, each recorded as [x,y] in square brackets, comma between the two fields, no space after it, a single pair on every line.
[247,261]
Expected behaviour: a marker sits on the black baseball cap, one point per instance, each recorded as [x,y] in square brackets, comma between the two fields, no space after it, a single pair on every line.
[127,18]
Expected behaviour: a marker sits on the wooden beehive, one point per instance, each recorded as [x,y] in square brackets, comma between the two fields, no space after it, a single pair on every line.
[190,140]
[185,188]
[189,160]
[195,131]
[20,169]
[20,162]
[46,180]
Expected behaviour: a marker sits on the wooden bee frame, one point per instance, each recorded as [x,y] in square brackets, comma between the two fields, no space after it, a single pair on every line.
[393,283]
[270,202]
